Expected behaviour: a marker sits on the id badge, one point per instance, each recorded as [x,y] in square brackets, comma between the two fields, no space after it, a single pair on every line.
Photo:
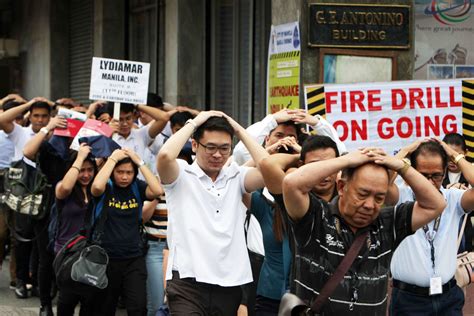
[436,287]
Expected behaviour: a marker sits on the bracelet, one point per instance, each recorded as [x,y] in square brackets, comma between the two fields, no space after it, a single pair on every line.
[77,168]
[406,166]
[457,158]
[113,159]
[191,121]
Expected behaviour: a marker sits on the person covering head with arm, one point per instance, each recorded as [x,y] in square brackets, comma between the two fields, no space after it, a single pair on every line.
[205,211]
[122,199]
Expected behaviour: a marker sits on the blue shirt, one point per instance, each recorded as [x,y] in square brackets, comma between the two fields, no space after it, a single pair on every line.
[7,152]
[273,281]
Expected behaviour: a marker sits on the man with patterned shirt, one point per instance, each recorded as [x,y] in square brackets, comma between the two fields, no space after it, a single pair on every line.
[325,231]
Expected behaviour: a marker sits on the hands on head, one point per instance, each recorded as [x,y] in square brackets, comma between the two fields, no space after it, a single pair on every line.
[120,154]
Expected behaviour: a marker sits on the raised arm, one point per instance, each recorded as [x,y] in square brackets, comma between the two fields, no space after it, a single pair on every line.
[33,145]
[100,181]
[297,185]
[322,127]
[161,118]
[7,118]
[64,188]
[167,166]
[153,189]
[429,201]
[273,170]
[253,179]
[467,170]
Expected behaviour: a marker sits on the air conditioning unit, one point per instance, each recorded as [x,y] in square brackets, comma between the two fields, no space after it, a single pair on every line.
[8,48]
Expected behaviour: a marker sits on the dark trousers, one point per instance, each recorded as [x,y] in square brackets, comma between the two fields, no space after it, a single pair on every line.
[449,303]
[127,278]
[68,300]
[265,306]
[28,228]
[188,297]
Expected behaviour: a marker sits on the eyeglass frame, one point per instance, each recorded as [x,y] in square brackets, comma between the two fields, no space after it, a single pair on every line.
[220,148]
[432,175]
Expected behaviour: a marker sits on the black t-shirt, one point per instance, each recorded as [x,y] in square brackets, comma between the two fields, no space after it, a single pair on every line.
[323,238]
[121,238]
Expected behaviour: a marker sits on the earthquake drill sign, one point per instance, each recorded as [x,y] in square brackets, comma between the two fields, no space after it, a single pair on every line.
[119,80]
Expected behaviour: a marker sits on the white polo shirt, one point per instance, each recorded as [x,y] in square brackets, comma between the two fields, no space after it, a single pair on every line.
[206,226]
[138,140]
[411,261]
[20,136]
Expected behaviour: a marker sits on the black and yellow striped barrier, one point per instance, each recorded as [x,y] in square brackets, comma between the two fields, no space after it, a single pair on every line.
[468,116]
[316,100]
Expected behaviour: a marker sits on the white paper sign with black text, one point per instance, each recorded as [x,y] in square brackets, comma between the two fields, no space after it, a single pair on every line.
[119,80]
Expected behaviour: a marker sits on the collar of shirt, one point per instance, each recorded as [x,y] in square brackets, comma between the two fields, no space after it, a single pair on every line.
[225,172]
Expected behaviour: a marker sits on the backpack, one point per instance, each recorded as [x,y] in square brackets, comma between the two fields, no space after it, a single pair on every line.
[27,190]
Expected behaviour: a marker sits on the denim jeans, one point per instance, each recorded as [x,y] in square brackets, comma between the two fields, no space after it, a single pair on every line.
[154,284]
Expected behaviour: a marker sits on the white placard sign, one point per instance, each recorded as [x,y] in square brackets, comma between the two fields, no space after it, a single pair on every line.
[119,80]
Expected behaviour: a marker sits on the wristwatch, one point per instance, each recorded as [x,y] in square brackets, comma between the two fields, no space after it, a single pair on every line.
[141,163]
[191,121]
[44,130]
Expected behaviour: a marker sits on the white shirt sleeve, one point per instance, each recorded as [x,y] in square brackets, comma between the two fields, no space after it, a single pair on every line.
[326,129]
[258,131]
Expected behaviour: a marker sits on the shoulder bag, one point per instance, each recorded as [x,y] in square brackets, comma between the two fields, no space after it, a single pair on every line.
[292,305]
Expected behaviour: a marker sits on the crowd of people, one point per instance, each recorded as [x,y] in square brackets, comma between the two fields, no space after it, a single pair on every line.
[177,199]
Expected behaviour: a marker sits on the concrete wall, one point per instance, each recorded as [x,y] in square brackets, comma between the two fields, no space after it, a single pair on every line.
[59,49]
[35,47]
[185,52]
[110,28]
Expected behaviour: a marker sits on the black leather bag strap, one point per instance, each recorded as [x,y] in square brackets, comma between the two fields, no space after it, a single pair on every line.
[341,270]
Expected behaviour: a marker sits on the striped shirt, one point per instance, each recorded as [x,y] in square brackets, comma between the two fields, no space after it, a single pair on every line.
[158,224]
[323,239]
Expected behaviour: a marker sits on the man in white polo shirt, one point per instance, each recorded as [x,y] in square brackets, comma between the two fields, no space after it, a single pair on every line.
[424,264]
[208,259]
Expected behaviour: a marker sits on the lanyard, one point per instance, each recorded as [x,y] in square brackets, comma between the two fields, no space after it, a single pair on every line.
[430,236]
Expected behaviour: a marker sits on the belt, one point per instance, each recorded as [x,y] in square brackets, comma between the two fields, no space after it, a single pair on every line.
[152,238]
[425,291]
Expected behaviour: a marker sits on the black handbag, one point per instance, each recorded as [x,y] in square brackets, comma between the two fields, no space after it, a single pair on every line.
[81,264]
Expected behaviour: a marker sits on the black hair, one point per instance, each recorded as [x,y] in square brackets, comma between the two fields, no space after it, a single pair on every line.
[124,161]
[432,148]
[348,173]
[40,105]
[127,108]
[154,100]
[103,109]
[180,118]
[315,142]
[124,107]
[456,140]
[214,123]
[296,126]
[77,194]
[10,104]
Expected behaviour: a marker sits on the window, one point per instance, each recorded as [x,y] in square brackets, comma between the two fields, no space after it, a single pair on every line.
[144,34]
[239,38]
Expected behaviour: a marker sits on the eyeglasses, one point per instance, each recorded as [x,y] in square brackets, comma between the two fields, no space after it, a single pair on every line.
[434,176]
[212,149]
